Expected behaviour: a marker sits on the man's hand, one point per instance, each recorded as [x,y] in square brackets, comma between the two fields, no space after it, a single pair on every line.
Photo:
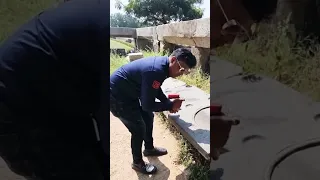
[220,128]
[173,111]
[176,105]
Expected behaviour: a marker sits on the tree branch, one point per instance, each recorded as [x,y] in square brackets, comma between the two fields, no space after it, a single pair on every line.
[118,4]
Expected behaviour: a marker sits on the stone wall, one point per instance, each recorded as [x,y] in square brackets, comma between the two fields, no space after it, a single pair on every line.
[123,32]
[194,33]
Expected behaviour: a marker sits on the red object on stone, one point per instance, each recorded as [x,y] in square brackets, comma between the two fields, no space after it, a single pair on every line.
[173,96]
[220,128]
[215,109]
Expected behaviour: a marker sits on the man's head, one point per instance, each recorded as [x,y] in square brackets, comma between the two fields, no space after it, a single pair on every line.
[180,62]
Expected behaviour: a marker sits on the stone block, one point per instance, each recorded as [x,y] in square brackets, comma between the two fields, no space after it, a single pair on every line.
[202,55]
[221,69]
[274,119]
[193,120]
[193,33]
[123,32]
[134,56]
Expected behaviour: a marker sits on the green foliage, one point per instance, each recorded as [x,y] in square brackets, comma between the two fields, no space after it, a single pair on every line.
[124,20]
[14,13]
[294,62]
[157,12]
[128,45]
[118,44]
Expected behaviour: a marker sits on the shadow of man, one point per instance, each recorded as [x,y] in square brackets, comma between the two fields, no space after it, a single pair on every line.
[163,172]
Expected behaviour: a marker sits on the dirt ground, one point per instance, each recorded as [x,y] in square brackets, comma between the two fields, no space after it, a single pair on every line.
[121,158]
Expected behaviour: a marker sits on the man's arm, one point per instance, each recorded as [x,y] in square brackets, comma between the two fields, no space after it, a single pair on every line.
[162,97]
[150,87]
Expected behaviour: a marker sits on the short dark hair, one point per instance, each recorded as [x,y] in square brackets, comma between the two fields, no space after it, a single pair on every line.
[185,55]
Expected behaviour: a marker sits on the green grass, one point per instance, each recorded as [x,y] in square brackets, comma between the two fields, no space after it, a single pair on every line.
[188,155]
[114,44]
[198,79]
[116,62]
[13,13]
[125,43]
[275,54]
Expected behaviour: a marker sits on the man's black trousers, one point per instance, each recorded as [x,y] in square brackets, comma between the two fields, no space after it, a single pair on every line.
[137,121]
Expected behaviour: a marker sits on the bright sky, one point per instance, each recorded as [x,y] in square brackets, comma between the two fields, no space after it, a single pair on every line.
[205,6]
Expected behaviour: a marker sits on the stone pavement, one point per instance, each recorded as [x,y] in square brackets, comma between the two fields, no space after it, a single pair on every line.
[274,118]
[193,120]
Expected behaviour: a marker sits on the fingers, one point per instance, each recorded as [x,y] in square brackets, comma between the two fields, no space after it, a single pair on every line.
[175,110]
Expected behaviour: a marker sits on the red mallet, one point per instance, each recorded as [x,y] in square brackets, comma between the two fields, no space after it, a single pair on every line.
[173,96]
[215,110]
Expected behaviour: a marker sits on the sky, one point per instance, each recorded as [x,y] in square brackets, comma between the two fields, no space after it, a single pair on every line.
[205,6]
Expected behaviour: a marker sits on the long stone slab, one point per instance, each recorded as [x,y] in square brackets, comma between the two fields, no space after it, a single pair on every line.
[123,32]
[250,159]
[193,33]
[264,101]
[220,69]
[147,32]
[272,117]
[193,120]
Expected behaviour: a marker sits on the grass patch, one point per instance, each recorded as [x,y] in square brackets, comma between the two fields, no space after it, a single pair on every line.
[275,54]
[188,155]
[116,62]
[124,43]
[198,79]
[117,45]
[13,13]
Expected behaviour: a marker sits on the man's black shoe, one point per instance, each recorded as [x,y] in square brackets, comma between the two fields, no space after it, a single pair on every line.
[144,168]
[155,152]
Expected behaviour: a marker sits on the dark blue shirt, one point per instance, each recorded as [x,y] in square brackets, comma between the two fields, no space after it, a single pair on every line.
[54,61]
[141,79]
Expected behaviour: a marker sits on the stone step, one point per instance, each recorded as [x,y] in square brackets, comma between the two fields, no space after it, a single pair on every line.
[193,120]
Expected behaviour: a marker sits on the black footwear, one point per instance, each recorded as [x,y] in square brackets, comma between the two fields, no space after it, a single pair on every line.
[155,152]
[144,168]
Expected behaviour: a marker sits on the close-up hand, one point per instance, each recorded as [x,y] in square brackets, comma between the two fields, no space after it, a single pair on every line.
[220,128]
[177,105]
[173,111]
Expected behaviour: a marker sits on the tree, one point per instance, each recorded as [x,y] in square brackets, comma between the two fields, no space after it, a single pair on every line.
[124,20]
[157,12]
